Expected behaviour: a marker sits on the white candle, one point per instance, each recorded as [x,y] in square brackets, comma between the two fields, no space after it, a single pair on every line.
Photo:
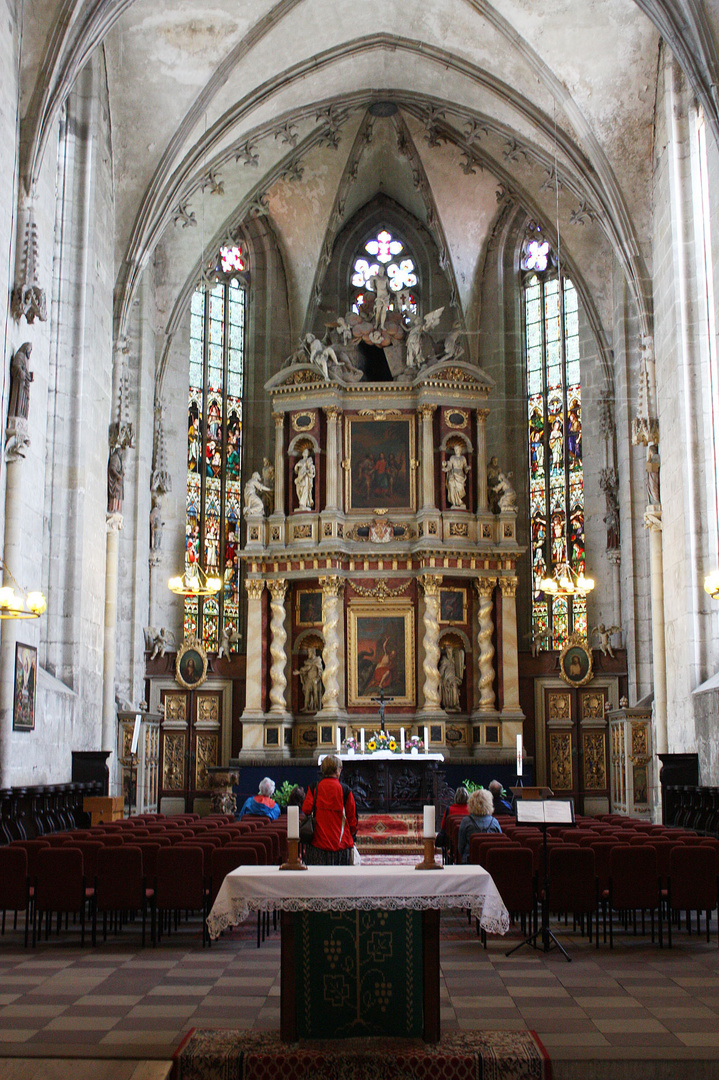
[519,755]
[339,741]
[362,740]
[293,822]
[428,831]
[426,739]
[401,739]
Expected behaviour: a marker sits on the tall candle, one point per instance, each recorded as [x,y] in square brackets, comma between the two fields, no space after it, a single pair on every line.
[401,739]
[519,755]
[339,741]
[362,740]
[426,739]
[293,822]
[428,830]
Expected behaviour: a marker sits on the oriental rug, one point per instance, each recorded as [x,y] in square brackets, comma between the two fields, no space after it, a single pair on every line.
[462,1055]
[389,834]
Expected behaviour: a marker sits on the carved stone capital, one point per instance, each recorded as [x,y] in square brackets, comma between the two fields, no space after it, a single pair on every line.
[332,412]
[255,588]
[331,586]
[279,419]
[482,415]
[278,588]
[614,555]
[430,584]
[113,522]
[508,585]
[485,587]
[426,411]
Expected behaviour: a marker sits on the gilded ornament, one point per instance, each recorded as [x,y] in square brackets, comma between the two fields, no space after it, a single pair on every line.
[255,587]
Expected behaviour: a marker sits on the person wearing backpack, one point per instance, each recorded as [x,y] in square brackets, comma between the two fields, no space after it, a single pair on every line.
[331,806]
[480,818]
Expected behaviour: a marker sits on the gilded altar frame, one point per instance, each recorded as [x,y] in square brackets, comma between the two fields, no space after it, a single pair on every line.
[191,664]
[381,653]
[389,433]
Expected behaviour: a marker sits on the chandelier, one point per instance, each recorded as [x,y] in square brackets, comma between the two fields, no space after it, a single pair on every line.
[711,584]
[19,605]
[195,582]
[566,582]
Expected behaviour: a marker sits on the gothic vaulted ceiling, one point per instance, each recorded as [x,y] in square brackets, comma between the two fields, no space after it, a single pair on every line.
[304,110]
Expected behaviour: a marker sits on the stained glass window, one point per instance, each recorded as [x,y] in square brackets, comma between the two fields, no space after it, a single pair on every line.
[390,252]
[554,410]
[214,445]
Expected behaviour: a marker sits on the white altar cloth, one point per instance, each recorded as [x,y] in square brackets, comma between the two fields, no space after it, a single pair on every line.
[346,888]
[385,755]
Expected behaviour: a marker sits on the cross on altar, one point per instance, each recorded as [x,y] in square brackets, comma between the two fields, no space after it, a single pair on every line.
[381,699]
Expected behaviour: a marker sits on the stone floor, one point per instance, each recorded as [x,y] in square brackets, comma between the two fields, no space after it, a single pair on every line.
[634,1011]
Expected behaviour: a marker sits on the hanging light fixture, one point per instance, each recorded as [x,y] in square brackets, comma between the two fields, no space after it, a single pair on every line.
[711,584]
[195,582]
[15,603]
[566,582]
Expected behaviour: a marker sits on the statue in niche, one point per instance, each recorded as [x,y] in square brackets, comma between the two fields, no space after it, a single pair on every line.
[492,479]
[604,633]
[115,480]
[456,469]
[311,681]
[506,495]
[20,379]
[379,283]
[417,337]
[228,638]
[451,674]
[268,479]
[609,483]
[305,481]
[652,476]
[156,524]
[254,506]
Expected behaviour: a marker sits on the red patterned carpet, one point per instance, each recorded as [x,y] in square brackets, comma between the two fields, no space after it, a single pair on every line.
[389,834]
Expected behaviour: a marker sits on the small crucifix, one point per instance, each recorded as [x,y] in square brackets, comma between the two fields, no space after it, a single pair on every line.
[381,699]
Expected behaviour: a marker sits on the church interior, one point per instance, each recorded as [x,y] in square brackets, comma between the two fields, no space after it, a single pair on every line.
[354,379]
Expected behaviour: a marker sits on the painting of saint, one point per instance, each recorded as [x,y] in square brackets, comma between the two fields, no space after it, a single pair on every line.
[23,718]
[309,607]
[380,452]
[381,656]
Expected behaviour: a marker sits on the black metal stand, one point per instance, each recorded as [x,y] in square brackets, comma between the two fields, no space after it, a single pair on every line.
[548,939]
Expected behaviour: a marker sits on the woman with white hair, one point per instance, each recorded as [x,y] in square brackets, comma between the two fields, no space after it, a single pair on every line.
[480,818]
[263,804]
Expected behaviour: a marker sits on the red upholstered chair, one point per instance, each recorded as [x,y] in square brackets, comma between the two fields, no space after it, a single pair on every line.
[222,861]
[89,849]
[634,885]
[480,842]
[119,887]
[14,885]
[573,884]
[33,849]
[113,839]
[148,850]
[179,886]
[59,887]
[693,884]
[512,870]
[247,853]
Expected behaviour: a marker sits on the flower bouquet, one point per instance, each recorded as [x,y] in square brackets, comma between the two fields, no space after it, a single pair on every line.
[414,743]
[380,741]
[350,745]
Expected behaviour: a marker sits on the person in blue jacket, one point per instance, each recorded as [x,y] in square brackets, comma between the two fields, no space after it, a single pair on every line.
[263,804]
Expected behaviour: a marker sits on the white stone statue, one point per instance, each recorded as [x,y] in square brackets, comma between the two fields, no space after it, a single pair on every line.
[254,506]
[344,330]
[507,496]
[452,349]
[604,633]
[451,674]
[379,283]
[161,642]
[456,469]
[305,481]
[418,328]
[538,636]
[228,638]
[311,680]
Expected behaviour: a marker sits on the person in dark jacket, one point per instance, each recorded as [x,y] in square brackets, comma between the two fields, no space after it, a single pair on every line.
[479,819]
[501,805]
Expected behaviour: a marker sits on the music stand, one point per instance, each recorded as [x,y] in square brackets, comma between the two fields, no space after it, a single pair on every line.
[543,814]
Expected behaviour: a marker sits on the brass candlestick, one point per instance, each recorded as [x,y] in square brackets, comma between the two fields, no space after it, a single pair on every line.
[293,857]
[428,862]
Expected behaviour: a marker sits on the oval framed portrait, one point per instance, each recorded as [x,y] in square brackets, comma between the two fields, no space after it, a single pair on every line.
[575,662]
[191,664]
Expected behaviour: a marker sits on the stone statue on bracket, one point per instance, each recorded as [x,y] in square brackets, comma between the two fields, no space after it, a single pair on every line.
[451,674]
[228,638]
[115,480]
[456,469]
[418,340]
[506,495]
[305,481]
[652,476]
[17,432]
[159,641]
[268,479]
[254,506]
[156,524]
[310,675]
[609,483]
[604,633]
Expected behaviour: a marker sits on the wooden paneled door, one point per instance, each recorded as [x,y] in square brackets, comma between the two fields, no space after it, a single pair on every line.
[190,742]
[577,751]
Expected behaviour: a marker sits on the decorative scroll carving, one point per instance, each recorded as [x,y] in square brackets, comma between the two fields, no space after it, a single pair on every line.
[208,707]
[560,761]
[485,648]
[558,706]
[381,591]
[173,764]
[255,588]
[278,680]
[508,585]
[430,665]
[595,764]
[206,756]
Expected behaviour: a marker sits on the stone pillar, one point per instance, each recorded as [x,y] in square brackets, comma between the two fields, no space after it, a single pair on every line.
[279,504]
[430,665]
[481,460]
[510,662]
[109,713]
[485,648]
[278,637]
[653,522]
[331,488]
[331,614]
[253,676]
[427,412]
[614,556]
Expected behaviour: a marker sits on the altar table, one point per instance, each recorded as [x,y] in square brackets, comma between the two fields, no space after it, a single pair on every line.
[383,782]
[358,889]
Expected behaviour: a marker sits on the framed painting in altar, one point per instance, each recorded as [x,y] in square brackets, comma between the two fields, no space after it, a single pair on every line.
[23,708]
[453,606]
[381,454]
[381,654]
[308,610]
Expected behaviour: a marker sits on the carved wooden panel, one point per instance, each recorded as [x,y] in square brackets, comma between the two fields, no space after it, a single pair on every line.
[558,705]
[595,761]
[206,755]
[639,741]
[175,706]
[208,707]
[173,766]
[560,761]
[591,704]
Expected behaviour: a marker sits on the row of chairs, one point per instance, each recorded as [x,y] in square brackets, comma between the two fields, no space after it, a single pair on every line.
[121,869]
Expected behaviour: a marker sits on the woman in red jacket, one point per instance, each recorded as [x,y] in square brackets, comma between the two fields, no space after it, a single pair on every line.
[335,817]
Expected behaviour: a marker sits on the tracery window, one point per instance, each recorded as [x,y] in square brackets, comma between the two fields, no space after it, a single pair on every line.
[554,410]
[388,251]
[214,444]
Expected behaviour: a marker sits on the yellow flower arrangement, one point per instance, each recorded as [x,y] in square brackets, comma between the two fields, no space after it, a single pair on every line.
[372,745]
[392,744]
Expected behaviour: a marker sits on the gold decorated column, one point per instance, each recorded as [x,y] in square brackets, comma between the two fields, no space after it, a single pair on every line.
[426,412]
[430,664]
[331,614]
[278,638]
[510,660]
[253,679]
[485,648]
[482,502]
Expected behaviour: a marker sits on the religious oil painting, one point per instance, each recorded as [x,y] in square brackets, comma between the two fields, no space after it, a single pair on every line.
[23,713]
[309,607]
[381,456]
[381,651]
[453,605]
[575,663]
[191,664]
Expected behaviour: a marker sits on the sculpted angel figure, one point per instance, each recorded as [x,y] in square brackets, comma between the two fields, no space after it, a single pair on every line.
[604,633]
[507,496]
[253,502]
[305,480]
[228,638]
[456,469]
[161,642]
[452,349]
[419,327]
